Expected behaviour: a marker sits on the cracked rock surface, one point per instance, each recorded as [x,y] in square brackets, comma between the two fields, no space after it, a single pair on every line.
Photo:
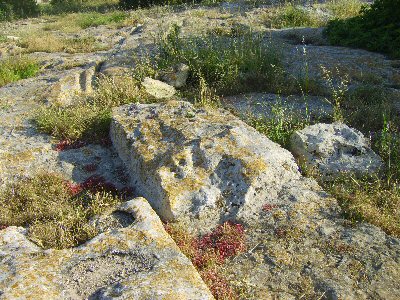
[135,261]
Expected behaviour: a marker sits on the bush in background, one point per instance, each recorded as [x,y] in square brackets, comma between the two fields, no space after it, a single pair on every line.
[131,4]
[68,6]
[377,28]
[15,9]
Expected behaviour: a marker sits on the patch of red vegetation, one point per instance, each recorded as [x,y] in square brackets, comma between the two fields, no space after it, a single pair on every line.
[90,168]
[74,188]
[219,287]
[126,192]
[93,184]
[280,232]
[268,207]
[209,252]
[67,145]
[3,227]
[97,183]
[225,241]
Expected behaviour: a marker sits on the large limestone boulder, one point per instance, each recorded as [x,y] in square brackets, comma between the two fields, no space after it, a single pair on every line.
[133,259]
[334,149]
[198,163]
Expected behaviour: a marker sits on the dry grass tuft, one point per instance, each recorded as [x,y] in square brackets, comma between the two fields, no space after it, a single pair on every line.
[89,119]
[41,42]
[369,200]
[54,213]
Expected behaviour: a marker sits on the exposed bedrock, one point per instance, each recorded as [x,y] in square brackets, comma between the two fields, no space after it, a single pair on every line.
[199,163]
[134,258]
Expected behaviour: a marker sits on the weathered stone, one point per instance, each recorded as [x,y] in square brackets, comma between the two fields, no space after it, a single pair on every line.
[335,149]
[134,261]
[158,89]
[12,38]
[177,76]
[196,163]
[73,83]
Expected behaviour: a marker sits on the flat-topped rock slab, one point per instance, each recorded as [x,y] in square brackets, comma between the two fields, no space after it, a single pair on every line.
[198,163]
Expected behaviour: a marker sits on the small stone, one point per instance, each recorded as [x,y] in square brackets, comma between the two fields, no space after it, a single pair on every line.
[12,38]
[178,76]
[158,89]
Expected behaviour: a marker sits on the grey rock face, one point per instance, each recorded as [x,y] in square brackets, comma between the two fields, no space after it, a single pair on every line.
[196,163]
[334,149]
[262,105]
[138,260]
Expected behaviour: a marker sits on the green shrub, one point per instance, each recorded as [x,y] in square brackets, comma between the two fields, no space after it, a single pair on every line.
[370,200]
[387,144]
[65,6]
[75,122]
[342,9]
[291,15]
[47,42]
[14,69]
[68,6]
[95,19]
[377,28]
[280,124]
[367,102]
[227,65]
[14,9]
[131,4]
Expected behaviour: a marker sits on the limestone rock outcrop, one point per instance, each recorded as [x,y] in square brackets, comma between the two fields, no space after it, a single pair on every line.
[130,261]
[191,162]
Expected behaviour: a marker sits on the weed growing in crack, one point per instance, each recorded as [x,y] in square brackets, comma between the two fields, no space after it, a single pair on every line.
[338,92]
[95,19]
[73,123]
[291,15]
[39,42]
[280,125]
[62,7]
[208,253]
[369,199]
